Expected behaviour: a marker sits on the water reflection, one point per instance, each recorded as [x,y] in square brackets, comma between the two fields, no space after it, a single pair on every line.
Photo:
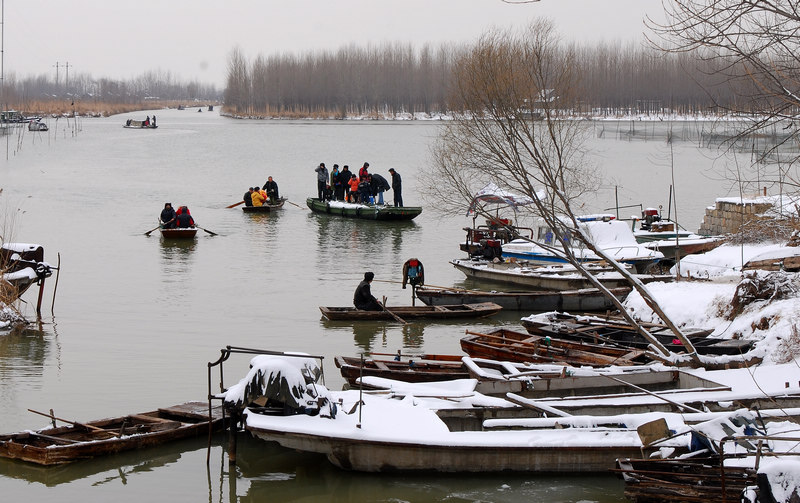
[367,236]
[263,227]
[23,354]
[177,255]
[369,335]
[113,469]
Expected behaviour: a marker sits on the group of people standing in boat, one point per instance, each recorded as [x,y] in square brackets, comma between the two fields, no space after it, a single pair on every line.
[171,219]
[364,187]
[259,196]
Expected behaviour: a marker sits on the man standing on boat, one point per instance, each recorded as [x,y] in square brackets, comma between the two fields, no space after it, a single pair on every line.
[397,187]
[363,172]
[272,190]
[322,180]
[378,184]
[363,298]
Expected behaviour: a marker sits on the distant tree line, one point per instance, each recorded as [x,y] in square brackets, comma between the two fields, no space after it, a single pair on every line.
[153,85]
[393,78]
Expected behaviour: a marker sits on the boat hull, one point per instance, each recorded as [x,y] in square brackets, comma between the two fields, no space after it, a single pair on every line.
[186,233]
[585,300]
[73,443]
[412,312]
[380,456]
[363,211]
[421,370]
[265,208]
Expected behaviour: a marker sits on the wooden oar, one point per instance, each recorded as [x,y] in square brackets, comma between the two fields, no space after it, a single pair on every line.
[302,208]
[401,320]
[206,230]
[74,423]
[235,204]
[151,230]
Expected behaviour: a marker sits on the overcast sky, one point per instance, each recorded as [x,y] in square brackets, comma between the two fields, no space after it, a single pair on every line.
[193,38]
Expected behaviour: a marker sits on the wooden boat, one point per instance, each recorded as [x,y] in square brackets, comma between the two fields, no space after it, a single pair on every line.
[513,346]
[266,208]
[179,233]
[363,211]
[546,278]
[413,312]
[37,125]
[422,368]
[618,333]
[585,300]
[21,265]
[65,444]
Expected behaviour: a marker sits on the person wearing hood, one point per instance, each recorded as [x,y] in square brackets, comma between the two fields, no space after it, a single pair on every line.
[344,179]
[363,298]
[257,197]
[378,184]
[168,216]
[184,218]
[336,184]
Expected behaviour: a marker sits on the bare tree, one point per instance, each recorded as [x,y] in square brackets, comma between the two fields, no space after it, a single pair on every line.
[750,46]
[514,96]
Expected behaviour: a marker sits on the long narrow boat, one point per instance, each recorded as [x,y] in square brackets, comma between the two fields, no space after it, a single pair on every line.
[513,346]
[65,444]
[179,233]
[423,368]
[584,300]
[546,278]
[620,334]
[363,211]
[413,312]
[266,208]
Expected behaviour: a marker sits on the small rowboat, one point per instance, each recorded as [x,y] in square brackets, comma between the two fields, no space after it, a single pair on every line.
[179,233]
[413,312]
[422,368]
[265,208]
[362,211]
[65,444]
[584,300]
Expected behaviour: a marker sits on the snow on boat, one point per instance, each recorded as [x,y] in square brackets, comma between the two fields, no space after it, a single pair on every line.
[132,124]
[77,441]
[363,211]
[584,300]
[413,312]
[612,236]
[416,426]
[21,265]
[554,277]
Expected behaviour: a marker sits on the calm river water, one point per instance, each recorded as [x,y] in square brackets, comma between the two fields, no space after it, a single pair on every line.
[137,318]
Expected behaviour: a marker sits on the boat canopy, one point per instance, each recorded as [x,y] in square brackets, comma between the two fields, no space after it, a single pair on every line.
[495,195]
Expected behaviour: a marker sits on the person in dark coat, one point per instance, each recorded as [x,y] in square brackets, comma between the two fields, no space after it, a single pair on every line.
[363,298]
[364,190]
[272,190]
[397,187]
[322,181]
[344,179]
[168,216]
[248,197]
[378,184]
[184,218]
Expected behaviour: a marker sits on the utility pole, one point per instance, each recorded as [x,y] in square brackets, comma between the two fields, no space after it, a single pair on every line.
[66,80]
[56,65]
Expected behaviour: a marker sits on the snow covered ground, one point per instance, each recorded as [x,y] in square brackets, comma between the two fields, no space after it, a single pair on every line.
[706,301]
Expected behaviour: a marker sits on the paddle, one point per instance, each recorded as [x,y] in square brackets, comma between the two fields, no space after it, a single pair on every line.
[401,320]
[302,208]
[206,230]
[235,204]
[151,230]
[74,423]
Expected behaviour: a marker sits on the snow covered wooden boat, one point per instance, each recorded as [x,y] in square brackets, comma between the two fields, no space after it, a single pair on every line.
[179,233]
[37,125]
[513,346]
[266,208]
[584,300]
[65,444]
[666,236]
[21,265]
[413,312]
[363,211]
[422,368]
[546,278]
[618,333]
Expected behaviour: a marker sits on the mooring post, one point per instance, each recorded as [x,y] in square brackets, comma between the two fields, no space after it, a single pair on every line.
[232,438]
